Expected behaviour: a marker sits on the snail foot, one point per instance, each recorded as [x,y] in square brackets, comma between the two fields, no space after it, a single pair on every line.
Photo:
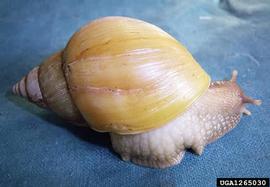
[198,149]
[158,162]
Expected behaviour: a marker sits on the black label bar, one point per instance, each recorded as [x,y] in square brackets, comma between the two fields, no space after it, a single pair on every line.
[243,182]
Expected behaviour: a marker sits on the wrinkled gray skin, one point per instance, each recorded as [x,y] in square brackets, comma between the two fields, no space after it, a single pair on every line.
[207,119]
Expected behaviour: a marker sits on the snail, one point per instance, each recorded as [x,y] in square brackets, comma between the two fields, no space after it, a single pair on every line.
[132,79]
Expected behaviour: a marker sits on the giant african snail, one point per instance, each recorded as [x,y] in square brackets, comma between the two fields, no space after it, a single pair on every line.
[135,81]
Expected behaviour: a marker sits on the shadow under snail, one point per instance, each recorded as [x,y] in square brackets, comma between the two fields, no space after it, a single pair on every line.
[131,79]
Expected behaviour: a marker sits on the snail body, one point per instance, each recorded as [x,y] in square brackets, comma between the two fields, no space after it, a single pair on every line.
[210,117]
[133,80]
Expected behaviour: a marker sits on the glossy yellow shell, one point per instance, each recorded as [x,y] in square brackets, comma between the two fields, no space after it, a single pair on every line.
[127,76]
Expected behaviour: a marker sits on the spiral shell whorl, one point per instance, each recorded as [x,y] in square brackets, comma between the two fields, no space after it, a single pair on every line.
[19,88]
[46,86]
[29,88]
[55,90]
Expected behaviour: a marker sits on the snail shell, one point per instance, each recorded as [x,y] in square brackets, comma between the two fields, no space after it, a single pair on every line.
[120,75]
